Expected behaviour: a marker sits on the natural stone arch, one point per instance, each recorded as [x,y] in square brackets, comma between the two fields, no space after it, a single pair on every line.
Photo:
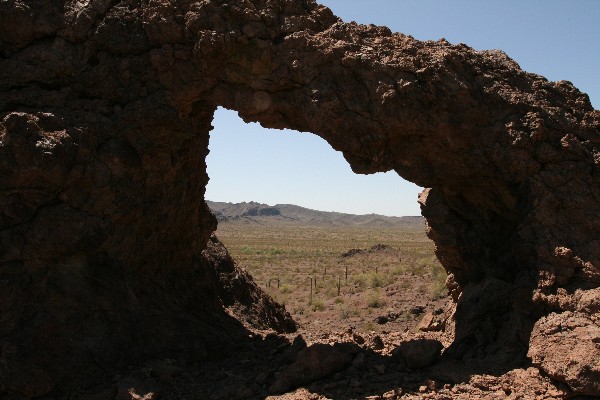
[106,110]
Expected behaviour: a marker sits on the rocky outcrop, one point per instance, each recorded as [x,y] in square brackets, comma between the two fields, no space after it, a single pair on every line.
[241,296]
[105,110]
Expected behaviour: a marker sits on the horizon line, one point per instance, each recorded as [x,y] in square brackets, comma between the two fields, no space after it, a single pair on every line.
[314,209]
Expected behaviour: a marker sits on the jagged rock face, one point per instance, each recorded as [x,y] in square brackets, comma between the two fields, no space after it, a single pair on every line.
[105,110]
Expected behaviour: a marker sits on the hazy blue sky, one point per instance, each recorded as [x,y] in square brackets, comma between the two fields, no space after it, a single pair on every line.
[559,39]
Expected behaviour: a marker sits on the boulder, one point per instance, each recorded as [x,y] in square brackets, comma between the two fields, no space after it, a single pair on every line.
[315,362]
[432,323]
[567,347]
[418,353]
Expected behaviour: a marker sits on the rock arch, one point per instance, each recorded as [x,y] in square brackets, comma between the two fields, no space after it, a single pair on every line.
[105,113]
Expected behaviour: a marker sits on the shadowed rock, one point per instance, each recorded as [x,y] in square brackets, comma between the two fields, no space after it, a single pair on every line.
[105,110]
[315,362]
[419,353]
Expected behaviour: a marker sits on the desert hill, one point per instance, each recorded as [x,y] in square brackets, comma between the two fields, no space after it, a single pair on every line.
[253,212]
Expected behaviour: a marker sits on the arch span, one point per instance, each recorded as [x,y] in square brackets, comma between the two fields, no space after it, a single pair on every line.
[106,109]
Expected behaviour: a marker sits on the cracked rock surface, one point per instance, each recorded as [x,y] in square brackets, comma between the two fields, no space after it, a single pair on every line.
[105,111]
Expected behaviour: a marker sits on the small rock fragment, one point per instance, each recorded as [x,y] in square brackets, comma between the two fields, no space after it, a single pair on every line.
[426,322]
[134,388]
[358,338]
[430,323]
[377,343]
[431,384]
[391,395]
[417,310]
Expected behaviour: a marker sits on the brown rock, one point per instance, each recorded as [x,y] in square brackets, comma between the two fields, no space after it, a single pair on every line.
[358,339]
[419,353]
[567,347]
[105,113]
[313,363]
[417,310]
[292,351]
[431,323]
[431,385]
[376,343]
[426,322]
[390,395]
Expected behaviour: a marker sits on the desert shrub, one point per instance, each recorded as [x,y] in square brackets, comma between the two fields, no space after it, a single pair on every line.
[406,284]
[438,291]
[406,315]
[344,313]
[419,269]
[348,312]
[318,305]
[274,252]
[376,280]
[438,288]
[398,270]
[374,299]
[251,251]
[331,292]
[281,299]
[428,261]
[299,280]
[360,280]
[286,288]
[339,300]
[369,326]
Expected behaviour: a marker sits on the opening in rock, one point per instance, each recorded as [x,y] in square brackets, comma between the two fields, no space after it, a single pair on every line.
[106,254]
[250,163]
[334,271]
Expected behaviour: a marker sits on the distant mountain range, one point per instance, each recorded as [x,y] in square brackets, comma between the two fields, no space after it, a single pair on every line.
[258,213]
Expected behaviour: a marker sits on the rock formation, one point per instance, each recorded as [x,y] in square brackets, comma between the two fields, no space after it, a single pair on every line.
[105,111]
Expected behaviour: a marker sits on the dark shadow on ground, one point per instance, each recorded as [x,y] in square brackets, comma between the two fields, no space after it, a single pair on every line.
[255,363]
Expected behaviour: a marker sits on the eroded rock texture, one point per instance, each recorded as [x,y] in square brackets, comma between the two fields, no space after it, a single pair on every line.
[105,109]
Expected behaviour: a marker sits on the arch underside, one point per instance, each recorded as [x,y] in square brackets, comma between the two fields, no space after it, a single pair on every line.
[106,242]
